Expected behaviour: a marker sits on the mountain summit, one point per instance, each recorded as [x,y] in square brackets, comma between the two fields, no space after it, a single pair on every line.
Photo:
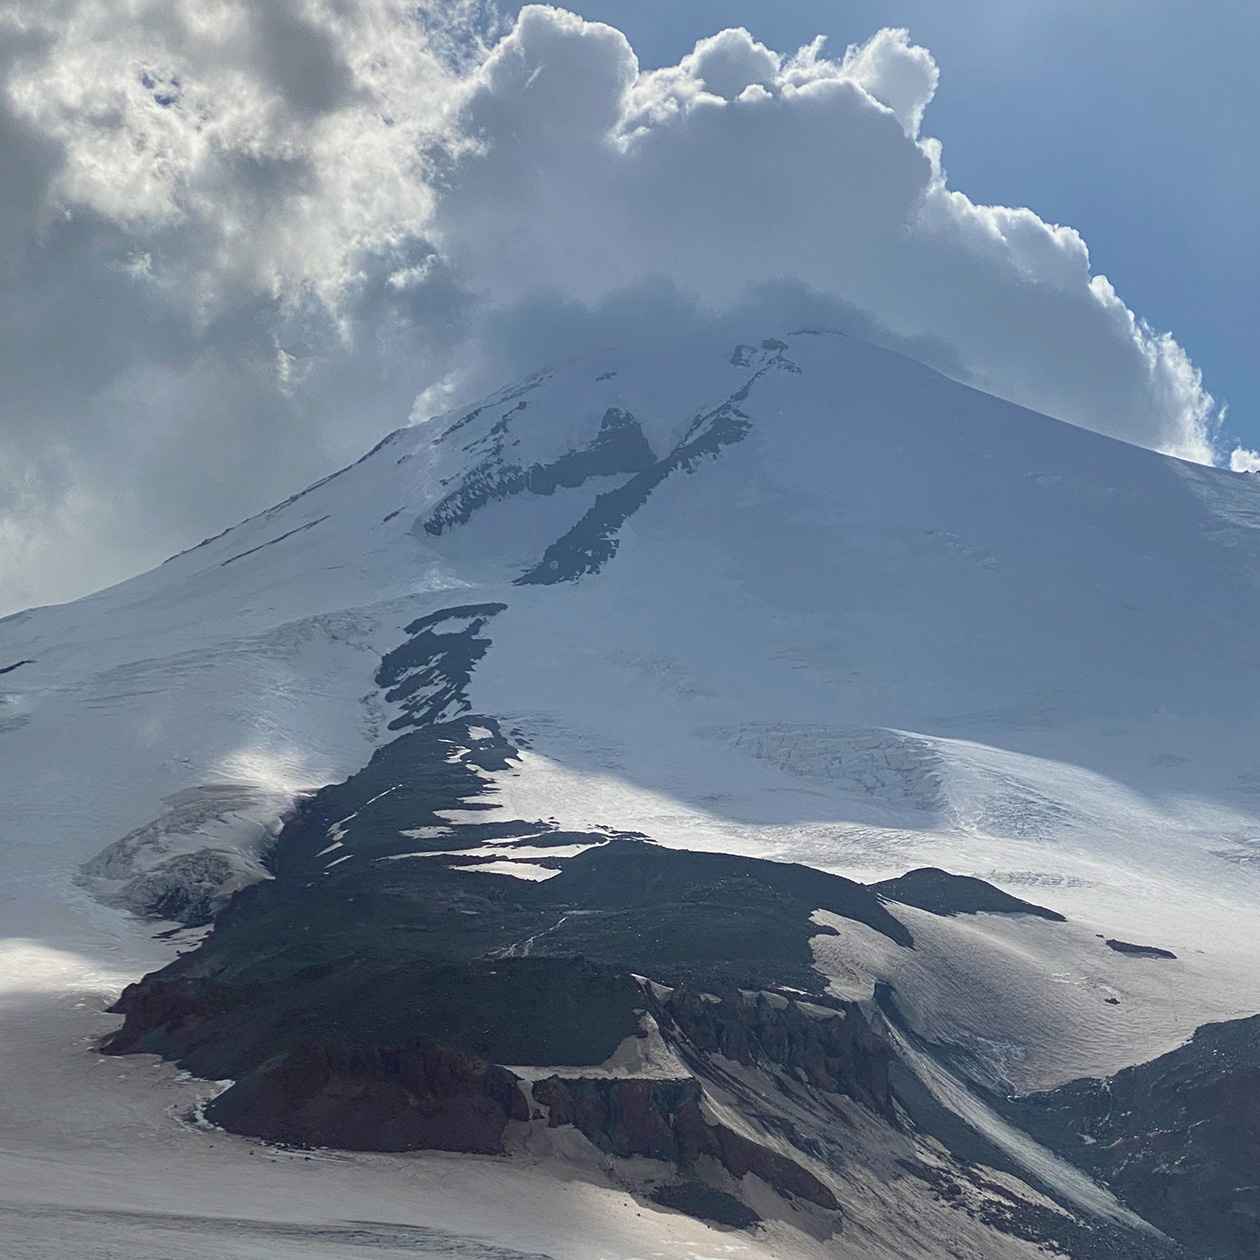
[772,788]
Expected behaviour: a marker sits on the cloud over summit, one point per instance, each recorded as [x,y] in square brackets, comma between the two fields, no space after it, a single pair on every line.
[739,167]
[237,239]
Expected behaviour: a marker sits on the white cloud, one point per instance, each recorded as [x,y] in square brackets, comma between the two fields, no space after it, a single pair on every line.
[804,168]
[1243,460]
[728,63]
[895,72]
[240,239]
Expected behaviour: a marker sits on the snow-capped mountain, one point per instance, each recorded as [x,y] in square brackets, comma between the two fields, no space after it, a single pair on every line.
[770,789]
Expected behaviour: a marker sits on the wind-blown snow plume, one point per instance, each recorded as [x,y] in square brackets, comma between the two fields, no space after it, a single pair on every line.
[239,238]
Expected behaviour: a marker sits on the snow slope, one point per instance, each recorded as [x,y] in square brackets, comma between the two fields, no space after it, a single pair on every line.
[803,599]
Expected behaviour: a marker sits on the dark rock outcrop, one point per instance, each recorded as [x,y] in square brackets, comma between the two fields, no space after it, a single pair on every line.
[833,1050]
[517,1010]
[593,541]
[429,674]
[1140,951]
[663,1119]
[172,1016]
[696,1199]
[358,1097]
[939,892]
[618,447]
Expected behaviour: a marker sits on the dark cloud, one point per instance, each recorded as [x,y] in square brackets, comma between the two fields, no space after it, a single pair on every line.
[299,58]
[217,283]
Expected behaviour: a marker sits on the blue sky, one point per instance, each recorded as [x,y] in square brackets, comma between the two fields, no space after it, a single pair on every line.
[1134,121]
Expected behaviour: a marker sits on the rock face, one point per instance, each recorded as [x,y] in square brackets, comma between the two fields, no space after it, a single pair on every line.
[561,1011]
[428,675]
[833,1050]
[428,1095]
[358,1097]
[663,1120]
[1177,1138]
[618,447]
[431,1096]
[594,539]
[696,1199]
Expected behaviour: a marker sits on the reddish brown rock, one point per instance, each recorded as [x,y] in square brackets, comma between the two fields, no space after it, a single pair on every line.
[426,1096]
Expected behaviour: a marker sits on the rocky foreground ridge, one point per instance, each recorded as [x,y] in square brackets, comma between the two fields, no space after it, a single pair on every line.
[658,1011]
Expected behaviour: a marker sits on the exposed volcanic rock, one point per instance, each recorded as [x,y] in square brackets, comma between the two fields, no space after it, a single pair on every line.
[1140,951]
[1178,1138]
[429,674]
[593,541]
[429,1095]
[744,919]
[663,1120]
[696,1199]
[939,892]
[271,542]
[173,1016]
[378,932]
[524,1010]
[373,868]
[516,1010]
[398,949]
[618,447]
[356,1096]
[833,1050]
